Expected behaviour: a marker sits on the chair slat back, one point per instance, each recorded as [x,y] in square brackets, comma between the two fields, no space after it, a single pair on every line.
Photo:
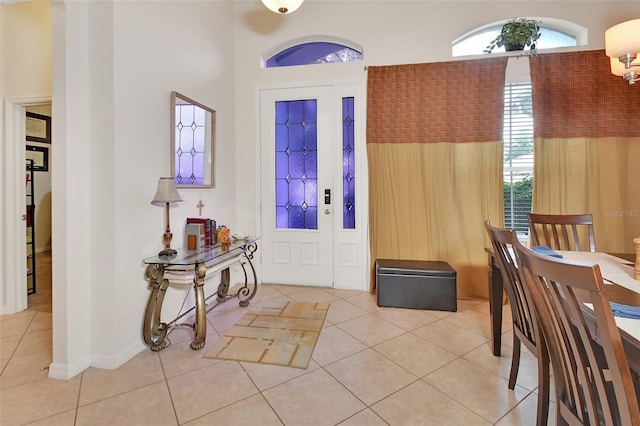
[521,307]
[591,374]
[569,232]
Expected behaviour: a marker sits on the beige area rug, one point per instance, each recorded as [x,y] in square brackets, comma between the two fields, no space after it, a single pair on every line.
[283,333]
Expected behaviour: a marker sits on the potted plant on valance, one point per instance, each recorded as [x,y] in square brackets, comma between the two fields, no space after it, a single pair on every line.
[517,34]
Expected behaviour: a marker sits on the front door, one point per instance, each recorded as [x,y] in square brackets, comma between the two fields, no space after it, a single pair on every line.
[296,171]
[309,196]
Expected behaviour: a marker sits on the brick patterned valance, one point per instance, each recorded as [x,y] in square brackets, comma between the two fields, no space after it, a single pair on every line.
[576,95]
[457,101]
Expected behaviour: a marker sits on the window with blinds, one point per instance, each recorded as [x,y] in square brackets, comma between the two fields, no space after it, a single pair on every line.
[518,156]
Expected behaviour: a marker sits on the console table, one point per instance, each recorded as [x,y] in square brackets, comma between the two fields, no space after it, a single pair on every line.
[195,266]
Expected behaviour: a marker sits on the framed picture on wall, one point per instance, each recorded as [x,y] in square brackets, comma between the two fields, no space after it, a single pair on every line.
[38,127]
[40,157]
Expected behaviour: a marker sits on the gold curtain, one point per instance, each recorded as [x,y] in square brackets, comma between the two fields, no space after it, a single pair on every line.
[587,144]
[434,146]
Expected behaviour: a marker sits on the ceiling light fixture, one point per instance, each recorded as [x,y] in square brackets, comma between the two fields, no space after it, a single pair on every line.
[622,43]
[282,6]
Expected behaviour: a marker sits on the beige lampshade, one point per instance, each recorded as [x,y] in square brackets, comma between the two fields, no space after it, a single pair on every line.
[282,6]
[623,39]
[618,68]
[166,192]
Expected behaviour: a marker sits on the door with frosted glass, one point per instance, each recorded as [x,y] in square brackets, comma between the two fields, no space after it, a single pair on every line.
[296,186]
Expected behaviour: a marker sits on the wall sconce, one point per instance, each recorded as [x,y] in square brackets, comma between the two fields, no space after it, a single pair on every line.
[282,6]
[166,193]
[622,43]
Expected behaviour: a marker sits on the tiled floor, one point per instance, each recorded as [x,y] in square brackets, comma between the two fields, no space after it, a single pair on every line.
[371,366]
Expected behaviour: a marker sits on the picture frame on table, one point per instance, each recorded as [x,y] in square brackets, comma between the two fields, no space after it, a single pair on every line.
[40,157]
[38,127]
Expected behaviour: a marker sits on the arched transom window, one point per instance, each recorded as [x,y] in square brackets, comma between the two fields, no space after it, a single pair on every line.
[316,51]
[554,33]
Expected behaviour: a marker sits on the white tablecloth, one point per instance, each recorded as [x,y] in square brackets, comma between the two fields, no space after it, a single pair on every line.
[614,270]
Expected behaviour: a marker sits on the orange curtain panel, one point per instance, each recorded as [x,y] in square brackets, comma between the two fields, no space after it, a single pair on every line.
[587,144]
[434,146]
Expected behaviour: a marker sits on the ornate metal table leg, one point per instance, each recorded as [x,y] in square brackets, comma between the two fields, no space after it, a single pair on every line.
[244,294]
[223,287]
[153,330]
[200,325]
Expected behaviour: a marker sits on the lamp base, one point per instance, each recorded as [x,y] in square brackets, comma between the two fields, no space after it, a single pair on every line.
[168,252]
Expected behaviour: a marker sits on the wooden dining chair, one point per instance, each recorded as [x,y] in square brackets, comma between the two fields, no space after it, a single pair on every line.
[568,232]
[592,380]
[525,327]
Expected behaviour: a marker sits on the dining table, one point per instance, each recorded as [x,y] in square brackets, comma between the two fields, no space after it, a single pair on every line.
[617,271]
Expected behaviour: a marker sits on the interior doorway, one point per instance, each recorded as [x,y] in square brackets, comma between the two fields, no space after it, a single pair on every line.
[14,285]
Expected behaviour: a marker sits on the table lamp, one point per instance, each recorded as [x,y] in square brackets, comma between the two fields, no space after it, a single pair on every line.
[166,193]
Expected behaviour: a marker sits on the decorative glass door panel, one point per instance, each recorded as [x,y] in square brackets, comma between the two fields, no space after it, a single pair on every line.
[297,221]
[296,164]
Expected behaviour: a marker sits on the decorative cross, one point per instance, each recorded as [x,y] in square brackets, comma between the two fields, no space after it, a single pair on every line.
[200,205]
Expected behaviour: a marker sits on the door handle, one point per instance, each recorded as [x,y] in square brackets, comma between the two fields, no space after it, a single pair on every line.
[327,211]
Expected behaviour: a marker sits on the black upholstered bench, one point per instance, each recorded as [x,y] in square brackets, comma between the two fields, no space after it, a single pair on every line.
[416,284]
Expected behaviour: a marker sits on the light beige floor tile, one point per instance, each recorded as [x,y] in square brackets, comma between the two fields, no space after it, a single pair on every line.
[450,337]
[182,334]
[440,314]
[483,392]
[289,289]
[223,319]
[341,310]
[483,308]
[364,418]
[68,418]
[15,325]
[312,399]
[41,321]
[37,341]
[36,401]
[142,370]
[208,389]
[370,329]
[476,322]
[501,365]
[314,295]
[334,344]
[150,405]
[344,293]
[252,411]
[266,292]
[26,369]
[370,376]
[464,304]
[525,413]
[8,346]
[179,358]
[366,301]
[407,319]
[266,376]
[421,404]
[415,354]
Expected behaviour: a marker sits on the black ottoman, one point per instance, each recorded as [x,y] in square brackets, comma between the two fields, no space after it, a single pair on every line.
[416,284]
